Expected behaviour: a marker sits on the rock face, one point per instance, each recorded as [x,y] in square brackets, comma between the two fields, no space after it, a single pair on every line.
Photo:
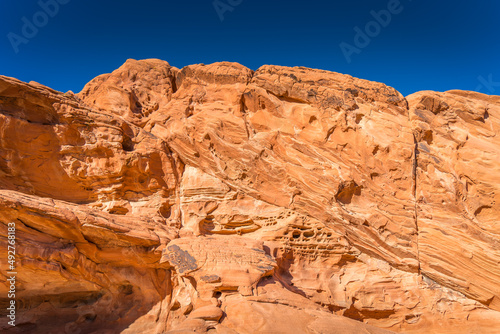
[217,199]
[458,190]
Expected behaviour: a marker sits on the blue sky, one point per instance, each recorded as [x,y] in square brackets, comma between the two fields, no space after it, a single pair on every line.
[427,45]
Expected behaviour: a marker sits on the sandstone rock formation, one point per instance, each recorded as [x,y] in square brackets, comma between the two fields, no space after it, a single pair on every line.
[217,199]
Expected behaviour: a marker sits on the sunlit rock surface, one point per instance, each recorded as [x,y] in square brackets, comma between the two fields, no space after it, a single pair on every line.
[217,199]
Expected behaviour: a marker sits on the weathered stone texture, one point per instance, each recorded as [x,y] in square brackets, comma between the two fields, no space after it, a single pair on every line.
[218,199]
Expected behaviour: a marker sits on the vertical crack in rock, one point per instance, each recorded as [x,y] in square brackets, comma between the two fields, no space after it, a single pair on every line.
[414,190]
[244,115]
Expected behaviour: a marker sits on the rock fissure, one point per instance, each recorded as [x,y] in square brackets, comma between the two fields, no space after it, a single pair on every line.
[414,190]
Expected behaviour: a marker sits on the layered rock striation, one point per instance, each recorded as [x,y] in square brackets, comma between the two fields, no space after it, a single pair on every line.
[218,199]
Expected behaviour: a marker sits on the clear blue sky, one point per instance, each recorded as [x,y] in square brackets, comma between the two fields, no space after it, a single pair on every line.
[435,45]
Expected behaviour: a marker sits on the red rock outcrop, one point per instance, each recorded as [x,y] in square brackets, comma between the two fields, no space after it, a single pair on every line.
[218,199]
[458,190]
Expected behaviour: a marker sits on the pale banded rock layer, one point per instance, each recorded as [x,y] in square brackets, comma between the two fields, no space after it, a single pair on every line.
[217,199]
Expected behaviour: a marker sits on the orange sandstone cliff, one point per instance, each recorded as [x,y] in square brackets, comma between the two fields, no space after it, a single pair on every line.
[222,200]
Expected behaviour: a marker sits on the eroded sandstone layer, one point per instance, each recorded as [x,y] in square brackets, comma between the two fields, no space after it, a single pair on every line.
[217,199]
